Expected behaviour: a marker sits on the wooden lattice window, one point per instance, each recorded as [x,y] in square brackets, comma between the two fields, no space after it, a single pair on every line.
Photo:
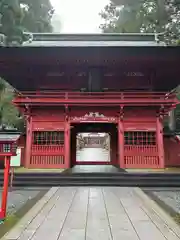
[139,138]
[6,147]
[48,138]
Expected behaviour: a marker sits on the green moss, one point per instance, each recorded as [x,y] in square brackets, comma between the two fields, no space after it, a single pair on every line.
[11,218]
[177,218]
[8,223]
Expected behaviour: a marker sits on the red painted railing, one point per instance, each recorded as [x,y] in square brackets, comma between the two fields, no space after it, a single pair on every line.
[47,156]
[49,149]
[92,95]
[141,156]
[47,161]
[95,97]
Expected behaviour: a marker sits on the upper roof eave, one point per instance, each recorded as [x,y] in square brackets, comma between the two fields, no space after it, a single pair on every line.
[94,37]
[90,44]
[84,40]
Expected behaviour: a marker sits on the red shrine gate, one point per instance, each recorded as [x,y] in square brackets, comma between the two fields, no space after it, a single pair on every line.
[136,139]
[121,84]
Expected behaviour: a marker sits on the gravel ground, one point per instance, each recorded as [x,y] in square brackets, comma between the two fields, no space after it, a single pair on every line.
[171,197]
[17,198]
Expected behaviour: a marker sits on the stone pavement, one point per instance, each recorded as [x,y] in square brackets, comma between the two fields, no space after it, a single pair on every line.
[93,154]
[94,213]
[18,198]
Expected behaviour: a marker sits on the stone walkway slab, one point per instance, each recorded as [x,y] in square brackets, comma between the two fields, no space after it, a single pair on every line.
[93,213]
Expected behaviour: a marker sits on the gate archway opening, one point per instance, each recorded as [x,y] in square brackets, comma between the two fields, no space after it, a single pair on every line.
[92,147]
[94,144]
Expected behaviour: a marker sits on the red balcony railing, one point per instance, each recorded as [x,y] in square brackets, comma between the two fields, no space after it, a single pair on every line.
[96,98]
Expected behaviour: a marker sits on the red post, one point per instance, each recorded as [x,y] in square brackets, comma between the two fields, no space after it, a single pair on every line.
[160,142]
[5,188]
[121,144]
[28,142]
[67,145]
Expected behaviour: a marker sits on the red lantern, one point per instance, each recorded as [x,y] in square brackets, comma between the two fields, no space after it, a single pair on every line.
[8,147]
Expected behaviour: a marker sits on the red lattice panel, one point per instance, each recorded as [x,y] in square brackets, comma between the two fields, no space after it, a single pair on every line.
[47,161]
[140,150]
[47,149]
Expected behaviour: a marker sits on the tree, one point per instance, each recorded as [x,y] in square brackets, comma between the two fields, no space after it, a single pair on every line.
[37,15]
[18,16]
[173,24]
[9,115]
[143,16]
[120,19]
[10,20]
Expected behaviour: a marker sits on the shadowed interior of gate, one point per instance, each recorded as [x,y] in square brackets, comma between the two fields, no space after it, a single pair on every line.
[94,144]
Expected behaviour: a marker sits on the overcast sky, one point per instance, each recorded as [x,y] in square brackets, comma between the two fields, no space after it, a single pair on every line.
[79,16]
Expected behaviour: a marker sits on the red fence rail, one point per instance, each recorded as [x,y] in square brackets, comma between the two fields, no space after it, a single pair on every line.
[45,150]
[91,95]
[141,156]
[47,161]
[95,97]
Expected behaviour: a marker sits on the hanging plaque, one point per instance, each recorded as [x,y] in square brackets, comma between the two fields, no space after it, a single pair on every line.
[93,116]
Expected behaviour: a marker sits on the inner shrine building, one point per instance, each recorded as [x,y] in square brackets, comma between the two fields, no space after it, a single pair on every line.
[119,84]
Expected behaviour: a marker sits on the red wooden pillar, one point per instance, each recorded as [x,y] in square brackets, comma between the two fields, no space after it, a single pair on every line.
[121,144]
[159,132]
[73,149]
[113,148]
[67,145]
[5,188]
[28,141]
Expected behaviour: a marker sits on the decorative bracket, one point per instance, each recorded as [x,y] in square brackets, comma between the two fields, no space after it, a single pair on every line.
[121,112]
[66,113]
